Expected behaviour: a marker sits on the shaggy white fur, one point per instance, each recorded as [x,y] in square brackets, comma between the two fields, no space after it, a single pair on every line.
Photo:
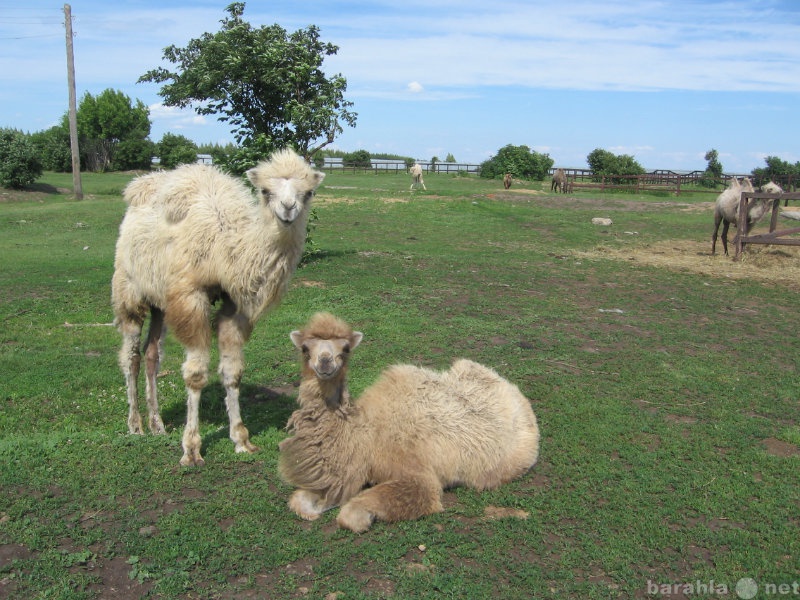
[193,237]
[415,431]
[416,176]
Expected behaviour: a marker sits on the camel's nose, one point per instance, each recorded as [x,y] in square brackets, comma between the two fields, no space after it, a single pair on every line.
[326,364]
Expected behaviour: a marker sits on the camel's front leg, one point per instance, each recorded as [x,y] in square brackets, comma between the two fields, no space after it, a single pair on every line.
[398,500]
[195,375]
[233,330]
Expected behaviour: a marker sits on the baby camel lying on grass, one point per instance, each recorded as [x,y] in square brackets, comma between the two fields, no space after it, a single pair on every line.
[414,432]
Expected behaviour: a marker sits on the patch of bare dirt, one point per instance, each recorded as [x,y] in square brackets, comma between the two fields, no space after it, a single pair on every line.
[116,582]
[35,192]
[501,512]
[776,447]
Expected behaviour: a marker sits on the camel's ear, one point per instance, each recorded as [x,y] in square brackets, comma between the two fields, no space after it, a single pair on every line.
[297,339]
[355,339]
[318,177]
[252,176]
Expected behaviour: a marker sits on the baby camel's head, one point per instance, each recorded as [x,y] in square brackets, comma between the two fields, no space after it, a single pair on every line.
[326,342]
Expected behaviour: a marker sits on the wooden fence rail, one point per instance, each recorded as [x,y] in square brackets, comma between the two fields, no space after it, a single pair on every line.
[775,236]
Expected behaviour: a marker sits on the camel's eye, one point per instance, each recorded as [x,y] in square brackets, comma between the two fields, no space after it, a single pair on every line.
[308,195]
[346,349]
[304,350]
[265,193]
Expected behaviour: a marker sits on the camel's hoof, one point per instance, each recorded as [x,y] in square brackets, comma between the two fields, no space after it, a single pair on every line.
[246,447]
[192,460]
[135,427]
[157,427]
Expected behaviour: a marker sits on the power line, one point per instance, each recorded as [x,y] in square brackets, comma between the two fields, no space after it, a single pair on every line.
[28,37]
[26,19]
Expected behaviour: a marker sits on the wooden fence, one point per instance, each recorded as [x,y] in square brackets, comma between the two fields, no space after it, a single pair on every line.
[656,181]
[775,236]
[378,166]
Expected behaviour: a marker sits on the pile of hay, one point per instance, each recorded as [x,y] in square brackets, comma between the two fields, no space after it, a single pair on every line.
[774,264]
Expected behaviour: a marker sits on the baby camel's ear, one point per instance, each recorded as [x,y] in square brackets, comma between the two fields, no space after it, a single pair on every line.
[355,339]
[297,339]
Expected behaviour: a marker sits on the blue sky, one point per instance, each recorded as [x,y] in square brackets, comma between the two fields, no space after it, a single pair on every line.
[664,81]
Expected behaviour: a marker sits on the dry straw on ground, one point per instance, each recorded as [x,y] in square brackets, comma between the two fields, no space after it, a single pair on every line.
[771,264]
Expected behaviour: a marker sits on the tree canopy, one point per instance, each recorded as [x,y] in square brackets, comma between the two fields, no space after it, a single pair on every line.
[712,176]
[604,164]
[174,150]
[520,161]
[778,170]
[265,82]
[113,132]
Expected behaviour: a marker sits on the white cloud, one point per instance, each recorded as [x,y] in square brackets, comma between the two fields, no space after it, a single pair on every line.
[171,117]
[587,46]
[415,87]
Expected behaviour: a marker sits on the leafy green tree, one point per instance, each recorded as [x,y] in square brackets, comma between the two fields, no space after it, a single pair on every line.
[450,158]
[53,149]
[19,162]
[712,176]
[219,153]
[174,150]
[134,153]
[110,123]
[520,161]
[778,170]
[266,83]
[607,164]
[359,159]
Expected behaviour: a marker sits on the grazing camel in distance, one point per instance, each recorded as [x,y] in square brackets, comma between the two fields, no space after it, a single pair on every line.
[507,180]
[416,176]
[559,183]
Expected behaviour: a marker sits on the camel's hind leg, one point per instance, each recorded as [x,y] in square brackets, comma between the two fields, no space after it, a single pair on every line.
[188,317]
[398,500]
[717,221]
[233,331]
[725,226]
[154,352]
[130,361]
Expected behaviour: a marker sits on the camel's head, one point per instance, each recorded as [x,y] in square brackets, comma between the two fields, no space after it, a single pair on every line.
[285,184]
[326,343]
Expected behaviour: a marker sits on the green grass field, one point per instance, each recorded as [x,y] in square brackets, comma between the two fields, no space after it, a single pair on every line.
[667,398]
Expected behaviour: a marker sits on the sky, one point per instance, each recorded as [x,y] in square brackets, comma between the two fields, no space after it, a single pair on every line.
[664,81]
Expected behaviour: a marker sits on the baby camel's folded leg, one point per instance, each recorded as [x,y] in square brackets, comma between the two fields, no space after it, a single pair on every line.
[308,505]
[398,500]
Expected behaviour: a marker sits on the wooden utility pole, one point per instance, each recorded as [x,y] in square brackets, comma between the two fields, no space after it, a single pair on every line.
[73,119]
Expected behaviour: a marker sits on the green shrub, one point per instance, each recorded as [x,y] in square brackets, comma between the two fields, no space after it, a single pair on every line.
[19,162]
[520,161]
[359,159]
